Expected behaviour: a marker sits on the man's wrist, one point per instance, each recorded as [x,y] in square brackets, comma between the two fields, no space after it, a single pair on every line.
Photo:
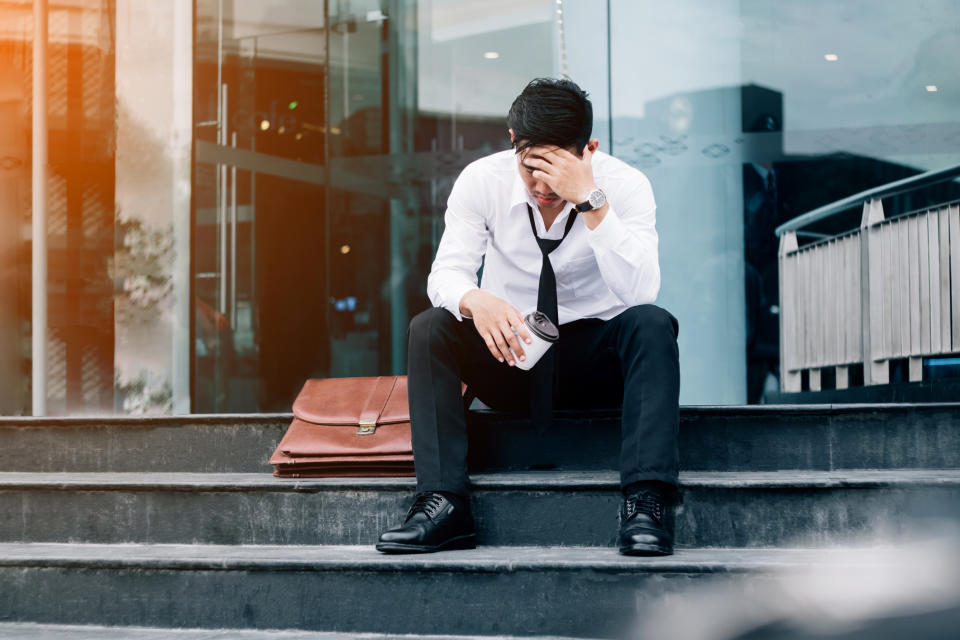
[464,304]
[595,199]
[594,217]
[585,195]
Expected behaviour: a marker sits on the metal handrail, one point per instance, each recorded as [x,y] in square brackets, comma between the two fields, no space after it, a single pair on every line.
[883,191]
[819,239]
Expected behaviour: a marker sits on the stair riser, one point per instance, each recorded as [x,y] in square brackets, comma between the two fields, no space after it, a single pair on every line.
[712,517]
[919,437]
[207,448]
[420,602]
[926,437]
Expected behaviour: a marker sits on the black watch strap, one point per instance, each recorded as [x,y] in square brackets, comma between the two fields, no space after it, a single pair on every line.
[596,199]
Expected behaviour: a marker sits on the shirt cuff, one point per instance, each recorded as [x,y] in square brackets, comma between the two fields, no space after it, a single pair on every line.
[455,299]
[608,234]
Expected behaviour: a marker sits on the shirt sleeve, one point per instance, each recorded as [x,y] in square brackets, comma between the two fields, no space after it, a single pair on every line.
[462,245]
[625,244]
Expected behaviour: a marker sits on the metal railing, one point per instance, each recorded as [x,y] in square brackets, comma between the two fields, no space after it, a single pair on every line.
[888,290]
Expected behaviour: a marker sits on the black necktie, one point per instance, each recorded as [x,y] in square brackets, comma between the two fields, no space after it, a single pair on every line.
[541,388]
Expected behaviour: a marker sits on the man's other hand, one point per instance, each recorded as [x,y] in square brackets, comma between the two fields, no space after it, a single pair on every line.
[495,320]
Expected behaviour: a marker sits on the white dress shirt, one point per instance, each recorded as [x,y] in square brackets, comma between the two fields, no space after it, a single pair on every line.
[600,273]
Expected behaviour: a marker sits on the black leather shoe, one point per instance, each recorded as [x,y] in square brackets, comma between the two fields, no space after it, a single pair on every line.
[646,525]
[433,523]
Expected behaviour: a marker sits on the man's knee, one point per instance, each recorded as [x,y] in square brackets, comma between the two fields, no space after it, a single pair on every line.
[430,325]
[651,320]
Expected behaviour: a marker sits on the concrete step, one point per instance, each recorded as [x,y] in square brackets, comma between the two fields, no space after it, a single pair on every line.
[33,631]
[737,438]
[198,443]
[744,438]
[720,509]
[573,591]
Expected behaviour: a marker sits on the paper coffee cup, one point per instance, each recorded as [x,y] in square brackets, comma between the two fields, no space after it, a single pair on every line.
[543,334]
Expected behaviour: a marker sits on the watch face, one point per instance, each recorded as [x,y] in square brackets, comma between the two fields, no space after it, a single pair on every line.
[597,199]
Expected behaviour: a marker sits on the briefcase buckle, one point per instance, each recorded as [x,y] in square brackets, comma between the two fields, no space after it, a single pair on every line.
[367,428]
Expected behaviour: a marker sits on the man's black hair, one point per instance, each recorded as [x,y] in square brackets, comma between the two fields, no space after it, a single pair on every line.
[553,112]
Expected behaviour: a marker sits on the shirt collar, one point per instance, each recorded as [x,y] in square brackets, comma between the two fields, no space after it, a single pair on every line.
[520,197]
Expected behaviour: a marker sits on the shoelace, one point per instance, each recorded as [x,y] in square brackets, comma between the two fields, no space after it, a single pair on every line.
[646,502]
[428,503]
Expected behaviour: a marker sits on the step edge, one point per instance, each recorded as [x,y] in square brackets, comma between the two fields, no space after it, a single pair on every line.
[191,482]
[214,633]
[686,411]
[364,559]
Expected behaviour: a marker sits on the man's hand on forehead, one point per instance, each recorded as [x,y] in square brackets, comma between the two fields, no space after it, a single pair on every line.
[549,154]
[570,176]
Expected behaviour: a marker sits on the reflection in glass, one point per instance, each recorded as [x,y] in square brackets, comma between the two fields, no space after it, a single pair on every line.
[15,185]
[81,117]
[245,193]
[742,122]
[292,278]
[259,216]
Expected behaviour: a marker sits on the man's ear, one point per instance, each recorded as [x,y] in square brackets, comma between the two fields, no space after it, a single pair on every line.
[593,145]
[511,135]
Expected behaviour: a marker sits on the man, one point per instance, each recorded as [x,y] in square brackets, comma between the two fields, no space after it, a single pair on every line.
[570,231]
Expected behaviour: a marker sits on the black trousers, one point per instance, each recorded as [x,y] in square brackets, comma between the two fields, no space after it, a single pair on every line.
[630,360]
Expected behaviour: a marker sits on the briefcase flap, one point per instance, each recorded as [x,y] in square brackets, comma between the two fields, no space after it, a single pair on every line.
[321,441]
[353,401]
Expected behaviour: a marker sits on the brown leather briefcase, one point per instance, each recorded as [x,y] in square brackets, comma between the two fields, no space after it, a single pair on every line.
[344,427]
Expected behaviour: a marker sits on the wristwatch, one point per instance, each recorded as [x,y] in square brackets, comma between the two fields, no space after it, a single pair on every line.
[595,200]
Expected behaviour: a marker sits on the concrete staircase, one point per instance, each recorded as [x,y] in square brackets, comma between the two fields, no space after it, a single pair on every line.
[174,527]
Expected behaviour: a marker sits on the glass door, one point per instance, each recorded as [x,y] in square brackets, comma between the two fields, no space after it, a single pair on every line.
[260,238]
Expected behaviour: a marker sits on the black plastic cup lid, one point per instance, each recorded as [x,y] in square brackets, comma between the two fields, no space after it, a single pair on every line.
[539,324]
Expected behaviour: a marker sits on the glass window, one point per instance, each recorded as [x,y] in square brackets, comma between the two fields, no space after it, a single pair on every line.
[325,151]
[15,200]
[260,230]
[747,114]
[242,194]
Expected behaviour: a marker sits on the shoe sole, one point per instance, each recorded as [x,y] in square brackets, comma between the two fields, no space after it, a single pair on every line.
[460,542]
[646,550]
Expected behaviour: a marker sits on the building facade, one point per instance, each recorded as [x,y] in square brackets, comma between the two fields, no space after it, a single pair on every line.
[203,202]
